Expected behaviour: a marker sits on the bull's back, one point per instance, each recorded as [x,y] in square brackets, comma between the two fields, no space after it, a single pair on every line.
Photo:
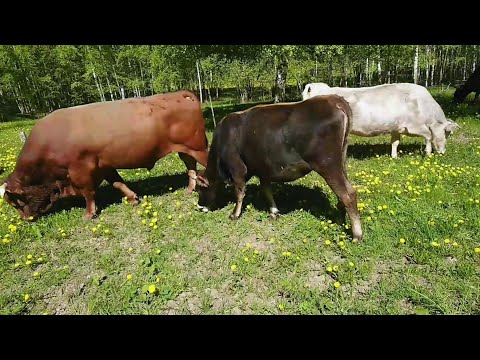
[276,141]
[121,134]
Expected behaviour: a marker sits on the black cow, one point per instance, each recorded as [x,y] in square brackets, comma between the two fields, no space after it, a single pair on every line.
[471,85]
[281,143]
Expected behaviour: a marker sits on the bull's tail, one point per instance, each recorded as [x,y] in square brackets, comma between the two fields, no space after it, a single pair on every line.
[343,105]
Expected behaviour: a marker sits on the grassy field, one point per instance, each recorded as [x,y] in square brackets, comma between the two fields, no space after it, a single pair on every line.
[421,217]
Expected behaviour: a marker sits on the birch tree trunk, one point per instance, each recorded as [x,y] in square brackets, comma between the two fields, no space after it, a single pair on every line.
[98,86]
[199,82]
[427,65]
[281,79]
[415,67]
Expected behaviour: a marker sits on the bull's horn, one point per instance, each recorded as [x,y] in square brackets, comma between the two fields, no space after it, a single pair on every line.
[2,190]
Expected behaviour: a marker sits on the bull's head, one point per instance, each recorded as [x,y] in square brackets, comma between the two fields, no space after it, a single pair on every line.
[450,127]
[30,201]
[206,192]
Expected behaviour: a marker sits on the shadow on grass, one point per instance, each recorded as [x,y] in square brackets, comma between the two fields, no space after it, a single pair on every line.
[106,195]
[366,151]
[288,198]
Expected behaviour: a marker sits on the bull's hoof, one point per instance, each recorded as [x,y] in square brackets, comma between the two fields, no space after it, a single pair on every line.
[233,217]
[189,191]
[275,216]
[135,200]
[90,216]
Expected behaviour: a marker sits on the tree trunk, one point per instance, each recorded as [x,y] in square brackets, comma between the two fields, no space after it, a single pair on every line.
[98,86]
[210,99]
[415,67]
[427,65]
[281,79]
[199,82]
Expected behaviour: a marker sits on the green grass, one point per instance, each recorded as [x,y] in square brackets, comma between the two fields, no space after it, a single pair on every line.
[280,266]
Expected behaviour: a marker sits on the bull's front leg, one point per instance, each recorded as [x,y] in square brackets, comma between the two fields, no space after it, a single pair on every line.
[191,165]
[91,210]
[240,194]
[267,191]
[395,140]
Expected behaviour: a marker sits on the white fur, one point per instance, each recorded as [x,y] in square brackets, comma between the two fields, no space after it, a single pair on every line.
[391,109]
[2,190]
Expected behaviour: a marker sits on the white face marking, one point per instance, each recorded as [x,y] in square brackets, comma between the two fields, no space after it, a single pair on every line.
[2,190]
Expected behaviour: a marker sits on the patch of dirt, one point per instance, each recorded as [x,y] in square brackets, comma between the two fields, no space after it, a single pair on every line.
[185,303]
[451,260]
[406,306]
[381,269]
[258,244]
[320,282]
[461,139]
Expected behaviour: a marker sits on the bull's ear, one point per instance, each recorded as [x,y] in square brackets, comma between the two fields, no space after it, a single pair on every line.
[202,181]
[452,126]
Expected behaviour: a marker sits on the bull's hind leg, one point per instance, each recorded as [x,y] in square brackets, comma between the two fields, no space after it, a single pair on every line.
[336,178]
[114,178]
[267,190]
[191,165]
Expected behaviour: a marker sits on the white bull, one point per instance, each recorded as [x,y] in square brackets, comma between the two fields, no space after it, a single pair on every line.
[393,109]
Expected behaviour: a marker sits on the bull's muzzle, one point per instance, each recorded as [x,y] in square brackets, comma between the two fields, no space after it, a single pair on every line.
[2,190]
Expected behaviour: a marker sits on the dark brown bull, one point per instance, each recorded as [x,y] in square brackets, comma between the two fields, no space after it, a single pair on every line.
[71,151]
[471,85]
[281,143]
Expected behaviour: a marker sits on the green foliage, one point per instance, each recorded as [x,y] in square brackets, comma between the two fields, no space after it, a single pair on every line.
[36,79]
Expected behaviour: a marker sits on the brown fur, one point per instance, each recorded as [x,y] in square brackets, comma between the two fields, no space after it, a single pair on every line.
[71,151]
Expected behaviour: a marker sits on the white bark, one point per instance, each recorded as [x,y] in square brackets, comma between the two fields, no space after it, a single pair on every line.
[427,66]
[415,67]
[199,82]
[210,99]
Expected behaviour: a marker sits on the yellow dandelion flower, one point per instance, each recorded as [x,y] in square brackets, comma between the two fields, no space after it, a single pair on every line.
[477,250]
[245,259]
[248,245]
[152,289]
[351,264]
[335,268]
[130,249]
[327,242]
[129,277]
[337,284]
[233,267]
[16,265]
[169,217]
[434,243]
[402,241]
[256,252]
[28,262]
[447,241]
[329,269]
[26,297]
